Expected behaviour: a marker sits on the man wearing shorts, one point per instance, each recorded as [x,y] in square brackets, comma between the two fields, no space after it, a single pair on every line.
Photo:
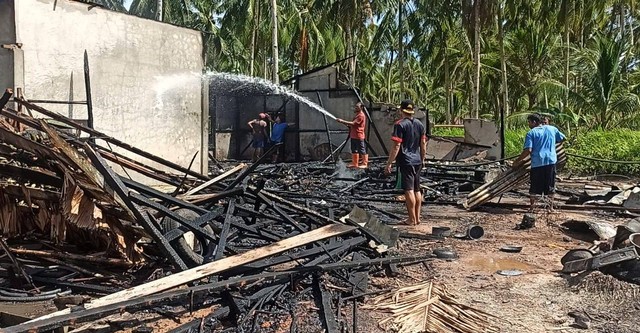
[259,131]
[356,136]
[409,151]
[540,144]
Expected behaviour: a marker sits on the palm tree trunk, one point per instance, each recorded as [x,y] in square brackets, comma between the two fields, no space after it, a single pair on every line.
[389,76]
[475,97]
[566,63]
[274,43]
[254,32]
[447,84]
[503,63]
[349,42]
[400,49]
[159,10]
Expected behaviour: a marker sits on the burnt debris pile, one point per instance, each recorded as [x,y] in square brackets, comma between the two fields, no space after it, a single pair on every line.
[247,243]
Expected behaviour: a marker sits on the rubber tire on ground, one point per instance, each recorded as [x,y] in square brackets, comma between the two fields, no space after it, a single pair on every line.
[190,256]
[577,254]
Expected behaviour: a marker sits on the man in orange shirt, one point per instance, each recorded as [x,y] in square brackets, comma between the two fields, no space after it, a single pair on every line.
[356,136]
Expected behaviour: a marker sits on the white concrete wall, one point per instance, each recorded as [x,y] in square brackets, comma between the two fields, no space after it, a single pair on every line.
[340,106]
[144,74]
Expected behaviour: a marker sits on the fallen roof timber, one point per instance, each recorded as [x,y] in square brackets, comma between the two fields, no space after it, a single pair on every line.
[209,269]
[198,293]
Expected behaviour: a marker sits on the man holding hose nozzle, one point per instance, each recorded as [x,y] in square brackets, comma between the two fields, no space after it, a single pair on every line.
[356,136]
[409,151]
[540,144]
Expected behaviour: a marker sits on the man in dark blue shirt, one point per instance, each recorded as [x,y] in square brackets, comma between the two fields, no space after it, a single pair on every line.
[409,150]
[277,136]
[540,144]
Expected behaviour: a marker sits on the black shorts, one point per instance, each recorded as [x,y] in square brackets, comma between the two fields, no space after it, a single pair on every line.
[543,180]
[279,150]
[410,175]
[358,147]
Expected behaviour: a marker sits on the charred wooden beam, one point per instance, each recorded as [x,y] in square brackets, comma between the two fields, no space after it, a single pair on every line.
[323,300]
[146,190]
[136,166]
[77,287]
[39,150]
[253,166]
[16,264]
[360,277]
[111,262]
[281,212]
[44,177]
[141,200]
[197,223]
[122,192]
[31,192]
[225,230]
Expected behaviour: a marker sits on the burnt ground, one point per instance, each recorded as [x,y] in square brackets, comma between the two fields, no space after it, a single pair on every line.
[539,300]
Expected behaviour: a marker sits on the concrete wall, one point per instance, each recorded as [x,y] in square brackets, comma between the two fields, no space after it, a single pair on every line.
[338,103]
[145,79]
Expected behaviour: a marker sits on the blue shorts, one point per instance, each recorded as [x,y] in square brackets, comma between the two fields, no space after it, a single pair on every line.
[358,147]
[257,144]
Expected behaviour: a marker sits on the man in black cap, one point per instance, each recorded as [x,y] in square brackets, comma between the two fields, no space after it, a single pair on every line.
[409,150]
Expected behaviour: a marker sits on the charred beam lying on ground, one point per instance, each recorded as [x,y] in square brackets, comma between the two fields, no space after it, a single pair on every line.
[199,292]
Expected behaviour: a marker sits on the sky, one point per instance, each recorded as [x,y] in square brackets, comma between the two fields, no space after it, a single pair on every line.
[127,4]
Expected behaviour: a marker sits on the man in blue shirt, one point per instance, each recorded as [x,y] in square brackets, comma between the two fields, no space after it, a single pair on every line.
[277,136]
[540,144]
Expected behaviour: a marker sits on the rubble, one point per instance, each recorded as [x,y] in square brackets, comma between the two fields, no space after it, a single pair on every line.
[84,229]
[246,244]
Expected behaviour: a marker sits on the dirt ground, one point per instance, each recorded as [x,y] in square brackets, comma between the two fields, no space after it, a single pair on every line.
[541,298]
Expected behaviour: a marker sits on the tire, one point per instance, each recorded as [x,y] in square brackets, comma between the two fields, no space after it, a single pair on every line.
[189,247]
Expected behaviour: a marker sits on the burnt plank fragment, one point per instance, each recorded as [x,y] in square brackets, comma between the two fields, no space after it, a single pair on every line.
[225,230]
[359,277]
[323,300]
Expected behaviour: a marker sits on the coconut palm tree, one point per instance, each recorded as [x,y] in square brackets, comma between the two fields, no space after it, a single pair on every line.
[605,92]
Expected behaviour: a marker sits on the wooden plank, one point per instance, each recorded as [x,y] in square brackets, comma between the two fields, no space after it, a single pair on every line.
[225,230]
[138,167]
[212,268]
[323,299]
[216,179]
